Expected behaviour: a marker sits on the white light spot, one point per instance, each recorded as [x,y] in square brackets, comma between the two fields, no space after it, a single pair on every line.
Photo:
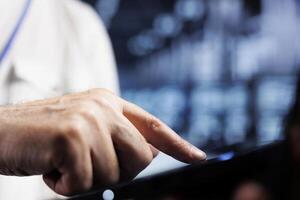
[108,195]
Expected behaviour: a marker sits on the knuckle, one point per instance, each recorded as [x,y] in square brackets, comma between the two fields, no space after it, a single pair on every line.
[84,111]
[72,128]
[69,135]
[97,100]
[154,124]
[104,98]
[103,102]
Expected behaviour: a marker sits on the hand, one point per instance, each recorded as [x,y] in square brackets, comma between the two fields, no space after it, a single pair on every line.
[83,140]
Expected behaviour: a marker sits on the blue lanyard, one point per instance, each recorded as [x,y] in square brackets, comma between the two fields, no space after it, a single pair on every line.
[15,31]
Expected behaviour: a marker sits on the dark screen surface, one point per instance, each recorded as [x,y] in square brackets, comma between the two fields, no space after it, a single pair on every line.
[215,179]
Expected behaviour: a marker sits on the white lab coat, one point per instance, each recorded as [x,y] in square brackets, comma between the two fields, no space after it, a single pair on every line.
[61,47]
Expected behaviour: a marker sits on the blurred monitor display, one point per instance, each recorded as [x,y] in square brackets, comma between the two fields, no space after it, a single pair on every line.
[220,73]
[221,114]
[274,97]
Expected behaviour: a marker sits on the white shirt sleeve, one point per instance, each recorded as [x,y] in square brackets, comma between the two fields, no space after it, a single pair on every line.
[103,65]
[95,47]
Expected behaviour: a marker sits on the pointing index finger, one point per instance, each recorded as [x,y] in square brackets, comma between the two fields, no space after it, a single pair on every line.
[160,135]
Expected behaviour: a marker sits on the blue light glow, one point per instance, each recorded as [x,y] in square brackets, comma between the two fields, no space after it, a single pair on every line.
[226,156]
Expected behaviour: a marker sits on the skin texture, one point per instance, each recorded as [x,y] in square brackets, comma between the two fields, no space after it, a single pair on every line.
[82,140]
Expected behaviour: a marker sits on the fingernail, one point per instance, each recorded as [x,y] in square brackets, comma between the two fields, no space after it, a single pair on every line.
[199,154]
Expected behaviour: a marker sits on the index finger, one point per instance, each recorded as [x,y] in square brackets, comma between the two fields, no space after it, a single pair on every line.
[160,135]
